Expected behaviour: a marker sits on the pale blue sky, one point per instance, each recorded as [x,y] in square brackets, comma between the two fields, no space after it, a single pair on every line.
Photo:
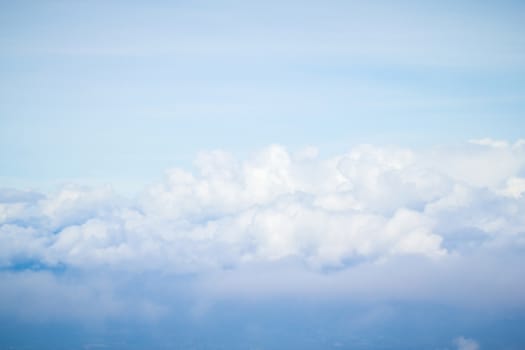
[118,91]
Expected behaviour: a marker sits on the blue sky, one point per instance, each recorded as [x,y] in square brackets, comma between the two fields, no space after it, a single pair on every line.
[262,175]
[113,91]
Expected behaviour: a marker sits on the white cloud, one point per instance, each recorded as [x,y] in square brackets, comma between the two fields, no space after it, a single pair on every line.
[74,204]
[515,187]
[484,163]
[463,343]
[359,211]
[490,143]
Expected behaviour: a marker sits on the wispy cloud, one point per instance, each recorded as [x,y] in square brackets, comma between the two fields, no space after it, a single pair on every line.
[463,343]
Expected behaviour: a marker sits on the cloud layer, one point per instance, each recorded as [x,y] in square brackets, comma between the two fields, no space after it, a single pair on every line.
[374,222]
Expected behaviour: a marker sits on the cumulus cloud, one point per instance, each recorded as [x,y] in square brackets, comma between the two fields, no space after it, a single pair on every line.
[361,213]
[369,202]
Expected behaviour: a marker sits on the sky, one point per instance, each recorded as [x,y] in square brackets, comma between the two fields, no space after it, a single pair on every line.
[262,175]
